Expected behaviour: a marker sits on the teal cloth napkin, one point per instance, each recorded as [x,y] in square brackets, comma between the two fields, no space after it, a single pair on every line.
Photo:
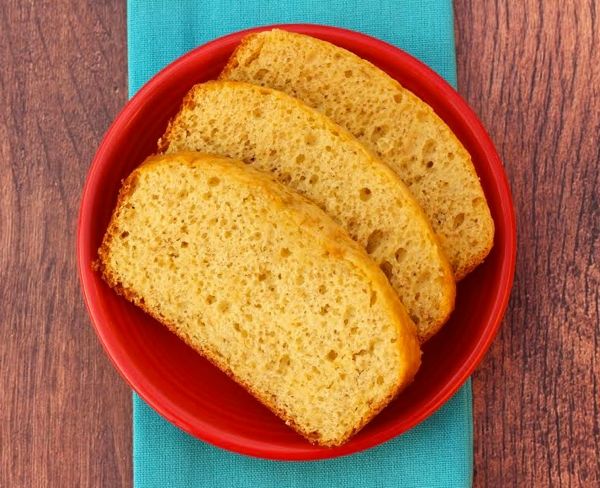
[437,453]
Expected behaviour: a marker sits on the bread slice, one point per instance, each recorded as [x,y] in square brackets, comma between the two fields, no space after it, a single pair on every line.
[402,129]
[265,285]
[305,150]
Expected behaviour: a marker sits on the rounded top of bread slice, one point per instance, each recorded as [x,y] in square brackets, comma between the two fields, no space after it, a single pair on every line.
[264,284]
[305,150]
[401,128]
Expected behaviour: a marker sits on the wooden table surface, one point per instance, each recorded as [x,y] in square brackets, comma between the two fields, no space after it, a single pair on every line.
[530,69]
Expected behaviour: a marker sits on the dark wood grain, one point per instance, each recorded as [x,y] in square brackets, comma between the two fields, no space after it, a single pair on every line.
[64,411]
[531,70]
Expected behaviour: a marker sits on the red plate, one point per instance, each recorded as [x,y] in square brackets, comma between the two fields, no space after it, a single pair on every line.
[182,386]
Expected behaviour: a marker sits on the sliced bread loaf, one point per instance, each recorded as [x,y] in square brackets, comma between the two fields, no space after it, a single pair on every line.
[265,285]
[402,129]
[302,148]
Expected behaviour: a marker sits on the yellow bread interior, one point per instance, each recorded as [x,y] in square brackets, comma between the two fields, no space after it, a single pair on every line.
[402,129]
[303,149]
[264,284]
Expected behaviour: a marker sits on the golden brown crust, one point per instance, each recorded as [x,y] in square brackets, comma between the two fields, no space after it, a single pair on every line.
[127,187]
[324,230]
[233,62]
[163,142]
[448,308]
[479,258]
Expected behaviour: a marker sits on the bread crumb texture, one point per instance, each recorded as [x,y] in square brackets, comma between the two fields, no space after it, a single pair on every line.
[402,129]
[303,149]
[264,284]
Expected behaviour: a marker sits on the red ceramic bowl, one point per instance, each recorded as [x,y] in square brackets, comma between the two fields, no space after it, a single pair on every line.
[191,393]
